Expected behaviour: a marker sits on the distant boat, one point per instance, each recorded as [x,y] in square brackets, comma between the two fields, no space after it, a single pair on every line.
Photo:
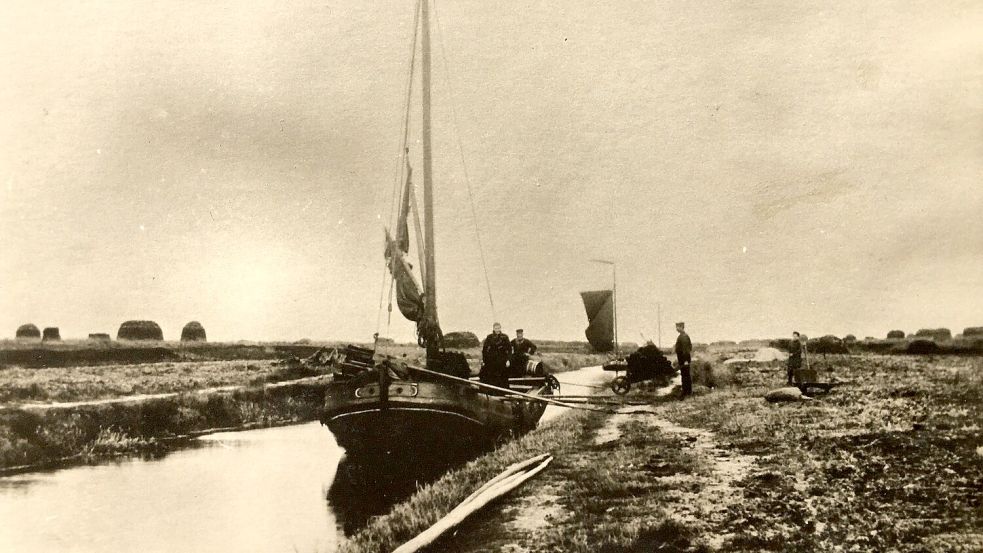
[600,331]
[374,406]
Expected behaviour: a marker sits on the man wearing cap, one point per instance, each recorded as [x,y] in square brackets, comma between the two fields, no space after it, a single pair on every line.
[495,353]
[521,350]
[684,351]
[794,356]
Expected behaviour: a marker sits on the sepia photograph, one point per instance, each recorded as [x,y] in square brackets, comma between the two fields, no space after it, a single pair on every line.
[426,276]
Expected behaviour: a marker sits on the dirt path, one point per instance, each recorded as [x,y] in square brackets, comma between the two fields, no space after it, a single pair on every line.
[697,499]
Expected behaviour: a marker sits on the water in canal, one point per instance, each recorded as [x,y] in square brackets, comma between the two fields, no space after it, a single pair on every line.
[274,490]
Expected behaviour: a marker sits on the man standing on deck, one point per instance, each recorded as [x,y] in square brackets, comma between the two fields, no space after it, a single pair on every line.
[495,353]
[684,352]
[794,356]
[521,350]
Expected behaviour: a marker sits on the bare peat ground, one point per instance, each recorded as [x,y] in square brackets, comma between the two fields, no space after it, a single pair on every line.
[890,461]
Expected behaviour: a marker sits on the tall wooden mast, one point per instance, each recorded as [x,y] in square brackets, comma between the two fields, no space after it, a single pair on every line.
[430,284]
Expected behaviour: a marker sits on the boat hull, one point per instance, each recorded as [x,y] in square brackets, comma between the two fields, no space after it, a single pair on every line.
[420,418]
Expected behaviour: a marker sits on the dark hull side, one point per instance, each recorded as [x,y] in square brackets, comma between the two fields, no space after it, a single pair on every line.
[422,418]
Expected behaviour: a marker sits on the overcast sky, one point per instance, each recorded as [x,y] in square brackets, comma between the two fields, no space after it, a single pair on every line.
[755,167]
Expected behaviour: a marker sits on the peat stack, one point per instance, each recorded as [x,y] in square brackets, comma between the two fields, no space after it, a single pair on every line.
[140,330]
[51,334]
[461,340]
[895,335]
[193,332]
[100,337]
[975,331]
[27,332]
[937,334]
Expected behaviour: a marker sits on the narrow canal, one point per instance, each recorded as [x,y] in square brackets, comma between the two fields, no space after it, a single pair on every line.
[274,490]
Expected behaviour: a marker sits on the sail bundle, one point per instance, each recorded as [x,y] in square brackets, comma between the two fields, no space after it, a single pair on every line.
[599,305]
[409,293]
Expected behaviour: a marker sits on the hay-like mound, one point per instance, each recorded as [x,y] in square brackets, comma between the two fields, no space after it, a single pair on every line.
[461,340]
[972,331]
[937,334]
[27,332]
[849,339]
[193,332]
[140,330]
[895,335]
[51,334]
[100,337]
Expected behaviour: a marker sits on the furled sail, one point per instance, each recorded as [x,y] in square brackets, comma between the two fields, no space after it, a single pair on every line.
[402,229]
[409,294]
[600,317]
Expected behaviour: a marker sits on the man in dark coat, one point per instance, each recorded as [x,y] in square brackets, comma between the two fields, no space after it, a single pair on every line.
[495,353]
[521,350]
[684,355]
[794,356]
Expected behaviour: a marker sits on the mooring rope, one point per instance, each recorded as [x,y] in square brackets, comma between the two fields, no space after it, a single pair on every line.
[543,399]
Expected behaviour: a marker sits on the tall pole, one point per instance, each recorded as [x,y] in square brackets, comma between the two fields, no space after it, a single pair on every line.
[617,346]
[430,286]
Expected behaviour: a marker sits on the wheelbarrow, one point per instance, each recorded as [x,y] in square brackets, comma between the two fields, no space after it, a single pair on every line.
[647,363]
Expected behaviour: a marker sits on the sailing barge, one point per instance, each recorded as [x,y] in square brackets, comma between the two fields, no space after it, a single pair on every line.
[378,406]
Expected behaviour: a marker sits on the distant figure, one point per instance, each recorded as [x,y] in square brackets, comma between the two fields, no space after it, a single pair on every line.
[684,355]
[495,353]
[794,356]
[521,350]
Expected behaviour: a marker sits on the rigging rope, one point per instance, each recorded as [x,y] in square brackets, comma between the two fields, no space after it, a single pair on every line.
[464,165]
[400,165]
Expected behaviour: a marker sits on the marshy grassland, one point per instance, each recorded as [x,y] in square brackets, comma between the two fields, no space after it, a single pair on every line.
[890,460]
[80,413]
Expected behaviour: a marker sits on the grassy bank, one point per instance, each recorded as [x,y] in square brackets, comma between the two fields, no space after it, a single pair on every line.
[39,437]
[889,461]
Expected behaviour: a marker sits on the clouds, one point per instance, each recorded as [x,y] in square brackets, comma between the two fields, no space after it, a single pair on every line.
[839,144]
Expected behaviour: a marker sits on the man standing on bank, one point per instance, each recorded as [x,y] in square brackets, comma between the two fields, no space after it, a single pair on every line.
[684,353]
[495,353]
[521,350]
[794,356]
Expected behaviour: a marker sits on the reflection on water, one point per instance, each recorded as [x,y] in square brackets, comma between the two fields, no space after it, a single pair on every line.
[368,487]
[265,490]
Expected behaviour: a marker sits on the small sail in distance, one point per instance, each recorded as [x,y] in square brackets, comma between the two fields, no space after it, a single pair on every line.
[599,305]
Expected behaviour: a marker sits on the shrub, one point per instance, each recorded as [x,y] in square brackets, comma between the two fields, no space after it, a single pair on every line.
[462,339]
[781,343]
[895,335]
[849,339]
[827,344]
[921,346]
